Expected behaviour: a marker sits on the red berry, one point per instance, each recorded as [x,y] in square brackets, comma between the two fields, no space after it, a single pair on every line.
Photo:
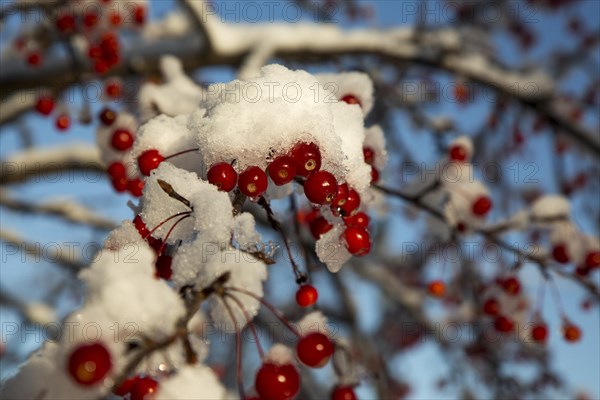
[34,59]
[351,99]
[121,140]
[358,241]
[100,66]
[163,267]
[65,23]
[352,203]
[503,324]
[127,386]
[319,226]
[369,155]
[341,197]
[343,393]
[306,296]
[144,388]
[116,170]
[511,285]
[307,158]
[115,18]
[94,51]
[458,153]
[539,333]
[282,170]
[321,187]
[571,332]
[45,105]
[139,15]
[120,183]
[223,176]
[437,288]
[374,175]
[253,182]
[149,160]
[592,259]
[141,227]
[482,206]
[135,187]
[359,219]
[89,363]
[107,116]
[314,349]
[560,254]
[491,307]
[113,89]
[63,122]
[277,382]
[90,19]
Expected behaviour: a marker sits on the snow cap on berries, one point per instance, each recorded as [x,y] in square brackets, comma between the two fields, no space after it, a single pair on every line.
[357,84]
[280,354]
[550,207]
[191,382]
[313,322]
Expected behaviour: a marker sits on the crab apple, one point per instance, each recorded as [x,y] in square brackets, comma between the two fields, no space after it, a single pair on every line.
[314,349]
[135,187]
[90,19]
[511,285]
[115,18]
[560,254]
[503,324]
[126,386]
[592,259]
[116,169]
[352,203]
[351,99]
[369,155]
[458,153]
[65,23]
[343,393]
[149,160]
[306,296]
[358,241]
[481,206]
[319,226]
[491,307]
[163,267]
[307,158]
[223,176]
[63,122]
[321,187]
[571,332]
[45,105]
[437,288]
[121,140]
[341,197]
[34,59]
[119,183]
[113,89]
[539,333]
[139,15]
[89,363]
[144,388]
[107,116]
[277,382]
[253,182]
[282,170]
[360,219]
[374,175]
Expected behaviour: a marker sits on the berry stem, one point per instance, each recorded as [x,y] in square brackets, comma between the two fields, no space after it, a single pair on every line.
[250,323]
[164,244]
[181,152]
[238,348]
[167,220]
[556,296]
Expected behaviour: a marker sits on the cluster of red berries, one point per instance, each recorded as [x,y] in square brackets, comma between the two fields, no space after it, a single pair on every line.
[45,105]
[369,156]
[591,262]
[105,53]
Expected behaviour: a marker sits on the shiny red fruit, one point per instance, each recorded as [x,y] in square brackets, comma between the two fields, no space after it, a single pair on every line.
[113,89]
[503,324]
[121,140]
[34,59]
[116,170]
[90,19]
[277,382]
[282,170]
[120,183]
[341,197]
[253,182]
[458,153]
[351,99]
[319,226]
[45,105]
[482,206]
[65,23]
[360,219]
[307,158]
[139,15]
[369,155]
[352,203]
[539,333]
[223,176]
[149,160]
[491,307]
[358,241]
[135,187]
[571,332]
[321,187]
[107,116]
[126,387]
[437,288]
[306,296]
[560,254]
[511,285]
[89,364]
[144,389]
[374,175]
[592,259]
[63,122]
[314,349]
[343,393]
